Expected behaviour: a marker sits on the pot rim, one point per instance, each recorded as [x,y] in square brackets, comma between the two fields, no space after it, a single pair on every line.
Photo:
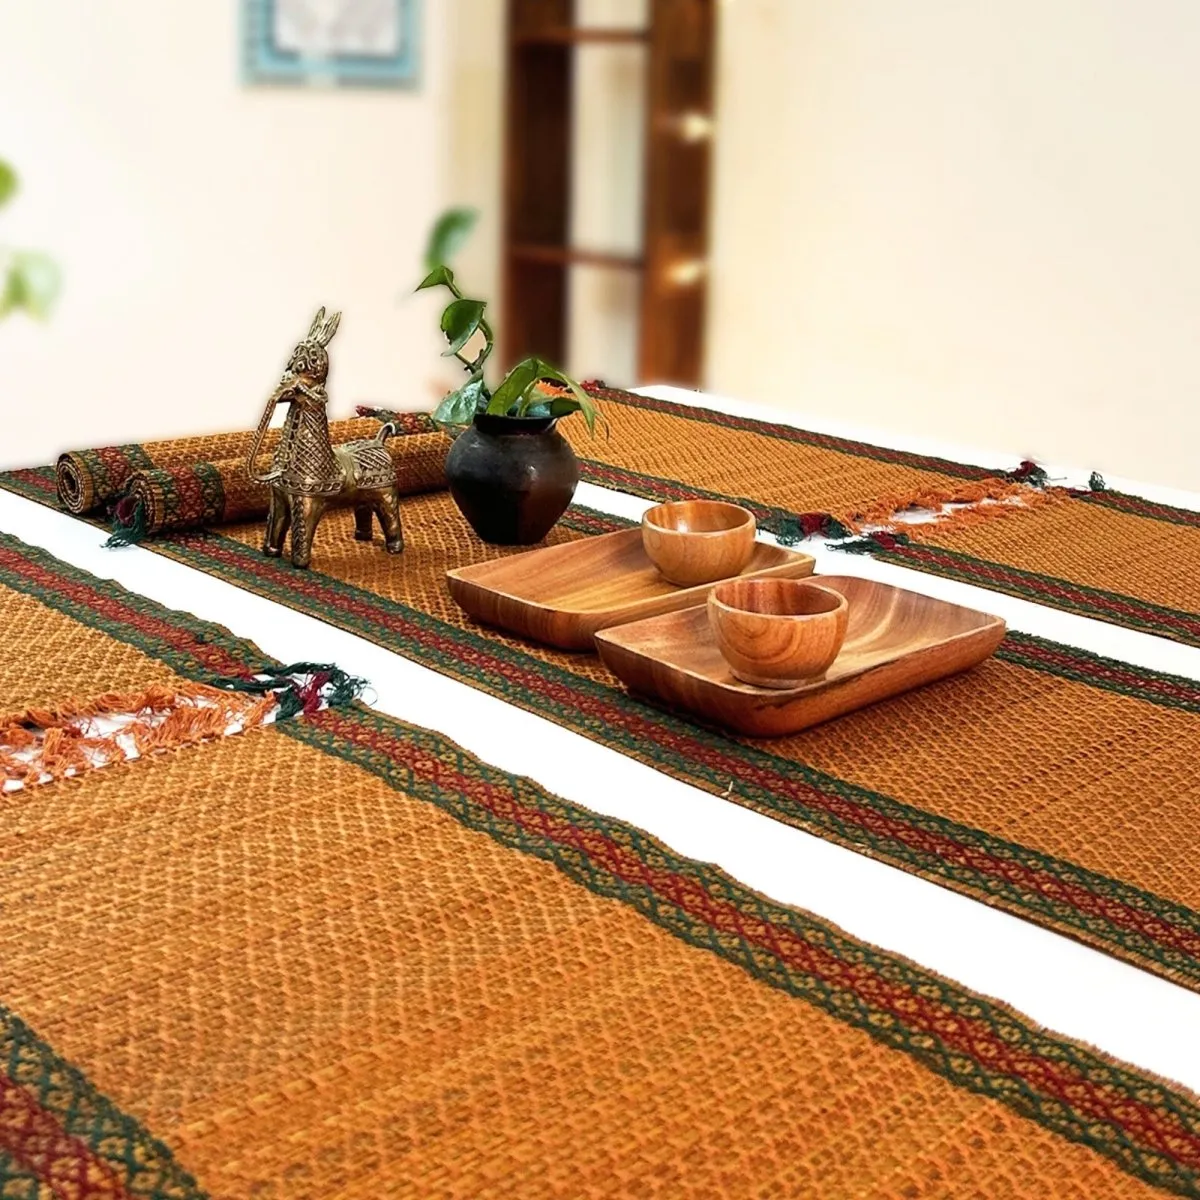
[495,423]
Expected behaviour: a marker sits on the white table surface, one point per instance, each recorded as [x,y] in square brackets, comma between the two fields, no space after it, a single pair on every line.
[1072,989]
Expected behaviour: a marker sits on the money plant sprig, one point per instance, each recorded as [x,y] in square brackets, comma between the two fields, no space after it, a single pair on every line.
[29,280]
[520,393]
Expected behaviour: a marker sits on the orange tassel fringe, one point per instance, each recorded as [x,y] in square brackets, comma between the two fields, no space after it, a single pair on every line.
[1008,499]
[163,717]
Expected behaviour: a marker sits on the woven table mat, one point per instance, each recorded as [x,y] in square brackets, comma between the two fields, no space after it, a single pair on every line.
[661,451]
[1013,784]
[74,699]
[348,958]
[49,655]
[1107,555]
[196,495]
[1102,554]
[89,479]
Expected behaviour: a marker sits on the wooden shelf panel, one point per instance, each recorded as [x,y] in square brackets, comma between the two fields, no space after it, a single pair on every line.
[572,256]
[540,49]
[574,37]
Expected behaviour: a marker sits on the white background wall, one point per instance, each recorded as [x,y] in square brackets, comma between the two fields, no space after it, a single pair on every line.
[975,218]
[606,175]
[200,222]
[971,218]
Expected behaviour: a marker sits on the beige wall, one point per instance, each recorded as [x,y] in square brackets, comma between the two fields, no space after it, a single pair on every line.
[971,218]
[475,29]
[974,218]
[199,222]
[606,177]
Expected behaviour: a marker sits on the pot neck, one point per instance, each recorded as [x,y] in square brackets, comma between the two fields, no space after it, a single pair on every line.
[513,425]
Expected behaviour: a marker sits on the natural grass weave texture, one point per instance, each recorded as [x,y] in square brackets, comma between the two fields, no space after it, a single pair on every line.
[651,445]
[348,959]
[89,479]
[58,673]
[197,495]
[1013,784]
[1108,556]
[1103,554]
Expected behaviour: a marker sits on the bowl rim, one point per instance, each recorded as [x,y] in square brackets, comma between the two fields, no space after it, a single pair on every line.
[714,601]
[747,515]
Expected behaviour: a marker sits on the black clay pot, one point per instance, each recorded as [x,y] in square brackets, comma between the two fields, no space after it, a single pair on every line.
[512,477]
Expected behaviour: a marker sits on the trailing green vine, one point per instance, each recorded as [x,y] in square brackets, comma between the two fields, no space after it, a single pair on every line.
[519,393]
[28,278]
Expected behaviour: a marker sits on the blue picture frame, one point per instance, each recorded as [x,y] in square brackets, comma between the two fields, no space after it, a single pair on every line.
[264,60]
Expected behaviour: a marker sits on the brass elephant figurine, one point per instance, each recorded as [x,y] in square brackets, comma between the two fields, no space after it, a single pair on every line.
[308,475]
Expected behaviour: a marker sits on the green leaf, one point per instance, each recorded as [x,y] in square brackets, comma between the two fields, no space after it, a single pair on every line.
[563,406]
[12,291]
[448,234]
[459,323]
[460,407]
[8,182]
[577,401]
[516,384]
[33,283]
[437,277]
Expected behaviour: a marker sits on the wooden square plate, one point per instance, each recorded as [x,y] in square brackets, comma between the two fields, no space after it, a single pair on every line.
[895,640]
[563,594]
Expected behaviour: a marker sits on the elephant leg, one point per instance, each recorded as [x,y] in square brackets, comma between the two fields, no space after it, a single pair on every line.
[362,523]
[306,514]
[387,508]
[277,523]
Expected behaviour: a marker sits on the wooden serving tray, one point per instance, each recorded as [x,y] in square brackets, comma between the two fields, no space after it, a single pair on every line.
[896,640]
[563,594]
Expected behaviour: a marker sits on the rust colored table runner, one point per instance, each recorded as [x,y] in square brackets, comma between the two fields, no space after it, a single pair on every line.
[193,483]
[348,958]
[1051,783]
[89,479]
[202,494]
[1106,555]
[1101,554]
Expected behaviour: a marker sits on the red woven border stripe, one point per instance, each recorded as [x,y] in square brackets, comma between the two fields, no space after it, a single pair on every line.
[36,1141]
[1163,1132]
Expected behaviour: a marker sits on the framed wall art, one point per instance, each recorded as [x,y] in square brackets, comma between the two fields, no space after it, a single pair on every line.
[340,42]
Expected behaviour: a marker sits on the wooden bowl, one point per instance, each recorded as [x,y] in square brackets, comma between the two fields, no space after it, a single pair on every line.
[777,633]
[698,541]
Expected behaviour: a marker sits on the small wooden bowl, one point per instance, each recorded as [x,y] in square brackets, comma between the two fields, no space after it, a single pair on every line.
[698,541]
[777,633]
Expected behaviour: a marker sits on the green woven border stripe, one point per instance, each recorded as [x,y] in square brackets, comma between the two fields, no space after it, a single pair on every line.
[1103,912]
[1103,497]
[1139,507]
[790,433]
[144,1167]
[1113,607]
[1148,1128]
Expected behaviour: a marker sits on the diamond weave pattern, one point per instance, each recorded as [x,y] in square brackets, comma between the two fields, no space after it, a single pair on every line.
[310,986]
[1048,762]
[1099,547]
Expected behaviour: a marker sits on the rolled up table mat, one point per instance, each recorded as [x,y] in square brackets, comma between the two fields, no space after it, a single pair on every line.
[90,479]
[198,495]
[402,423]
